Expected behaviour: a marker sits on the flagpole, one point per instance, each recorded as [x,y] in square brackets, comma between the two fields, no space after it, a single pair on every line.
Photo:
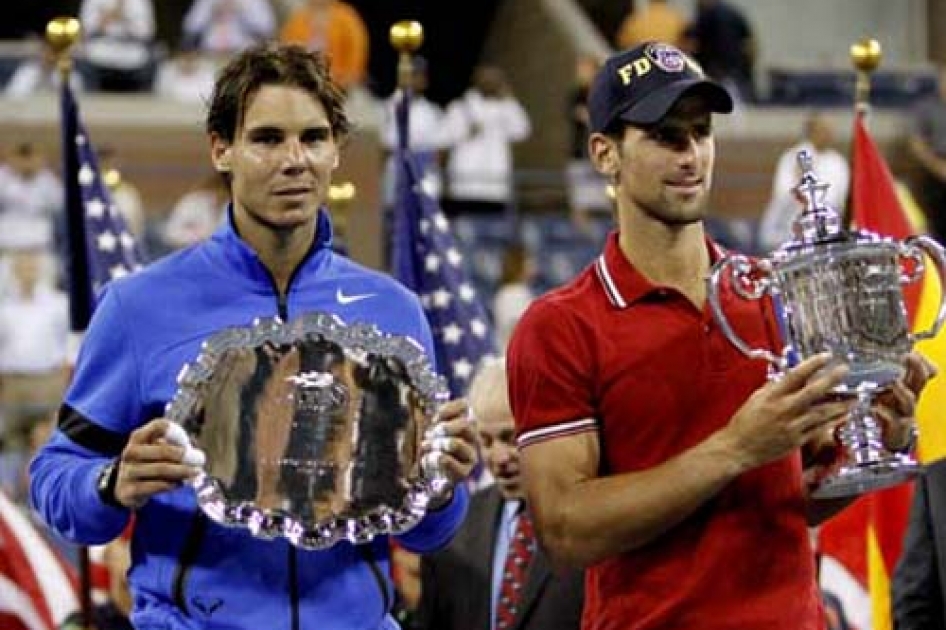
[62,33]
[866,55]
[406,36]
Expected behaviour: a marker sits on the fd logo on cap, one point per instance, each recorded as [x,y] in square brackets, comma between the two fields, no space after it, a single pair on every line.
[667,58]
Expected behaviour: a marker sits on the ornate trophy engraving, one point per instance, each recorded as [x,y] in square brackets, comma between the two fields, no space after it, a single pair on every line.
[838,291]
[312,430]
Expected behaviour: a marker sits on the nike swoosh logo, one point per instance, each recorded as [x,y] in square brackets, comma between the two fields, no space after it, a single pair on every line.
[349,299]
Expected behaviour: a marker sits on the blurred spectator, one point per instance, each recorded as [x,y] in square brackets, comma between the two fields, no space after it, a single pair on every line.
[227,26]
[425,133]
[124,194]
[515,292]
[586,187]
[34,330]
[39,75]
[405,572]
[656,21]
[336,28]
[927,145]
[830,166]
[31,199]
[187,77]
[481,127]
[197,213]
[118,48]
[919,580]
[493,574]
[722,42]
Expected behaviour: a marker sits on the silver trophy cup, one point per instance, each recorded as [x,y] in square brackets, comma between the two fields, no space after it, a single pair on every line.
[838,291]
[312,430]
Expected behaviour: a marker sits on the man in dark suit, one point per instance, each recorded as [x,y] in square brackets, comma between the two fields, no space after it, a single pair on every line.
[462,585]
[919,582]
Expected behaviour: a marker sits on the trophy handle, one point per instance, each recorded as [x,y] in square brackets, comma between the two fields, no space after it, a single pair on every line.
[739,270]
[914,247]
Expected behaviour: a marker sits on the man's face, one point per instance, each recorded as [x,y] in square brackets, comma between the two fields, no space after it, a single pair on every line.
[26,163]
[666,169]
[820,133]
[497,438]
[281,158]
[27,266]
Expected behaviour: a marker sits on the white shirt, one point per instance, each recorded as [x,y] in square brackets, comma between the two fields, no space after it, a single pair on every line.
[783,208]
[195,217]
[510,302]
[481,131]
[425,131]
[31,77]
[229,25]
[27,208]
[121,43]
[34,331]
[193,85]
[137,19]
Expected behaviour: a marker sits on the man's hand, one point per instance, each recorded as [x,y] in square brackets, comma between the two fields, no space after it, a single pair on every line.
[452,441]
[150,463]
[896,407]
[783,415]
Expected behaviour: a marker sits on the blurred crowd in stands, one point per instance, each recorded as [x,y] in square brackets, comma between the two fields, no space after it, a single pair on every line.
[466,146]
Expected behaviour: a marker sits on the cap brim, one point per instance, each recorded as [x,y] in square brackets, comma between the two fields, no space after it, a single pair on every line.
[656,105]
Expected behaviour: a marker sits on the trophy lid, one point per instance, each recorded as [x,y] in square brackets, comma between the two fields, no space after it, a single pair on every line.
[817,221]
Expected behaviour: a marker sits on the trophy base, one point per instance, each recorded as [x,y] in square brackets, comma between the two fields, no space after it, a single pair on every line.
[854,480]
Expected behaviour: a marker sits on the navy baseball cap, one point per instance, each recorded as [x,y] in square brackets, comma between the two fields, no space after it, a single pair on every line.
[641,85]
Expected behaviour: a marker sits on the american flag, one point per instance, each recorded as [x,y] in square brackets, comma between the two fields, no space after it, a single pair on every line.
[37,587]
[100,246]
[426,259]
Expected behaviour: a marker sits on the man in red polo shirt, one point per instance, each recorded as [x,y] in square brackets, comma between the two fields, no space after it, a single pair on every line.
[653,452]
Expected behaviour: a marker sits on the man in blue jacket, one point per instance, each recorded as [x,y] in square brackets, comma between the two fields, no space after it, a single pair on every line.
[275,124]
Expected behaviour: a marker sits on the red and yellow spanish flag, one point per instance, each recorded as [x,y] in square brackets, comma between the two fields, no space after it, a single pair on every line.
[867,537]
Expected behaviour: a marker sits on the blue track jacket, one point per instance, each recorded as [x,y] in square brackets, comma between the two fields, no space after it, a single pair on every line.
[189,572]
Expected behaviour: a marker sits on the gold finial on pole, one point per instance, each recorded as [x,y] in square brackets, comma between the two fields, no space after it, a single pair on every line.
[341,196]
[406,37]
[61,34]
[866,56]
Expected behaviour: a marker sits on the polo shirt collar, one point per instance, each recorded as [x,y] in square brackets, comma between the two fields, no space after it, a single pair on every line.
[624,285]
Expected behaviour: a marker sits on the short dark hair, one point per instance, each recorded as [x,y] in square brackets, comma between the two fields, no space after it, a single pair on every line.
[273,64]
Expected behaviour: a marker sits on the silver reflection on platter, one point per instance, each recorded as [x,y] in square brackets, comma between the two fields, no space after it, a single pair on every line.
[839,291]
[312,429]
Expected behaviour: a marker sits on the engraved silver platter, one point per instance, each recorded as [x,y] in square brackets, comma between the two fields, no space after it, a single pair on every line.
[312,429]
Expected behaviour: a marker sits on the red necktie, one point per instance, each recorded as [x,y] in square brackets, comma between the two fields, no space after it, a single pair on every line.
[521,550]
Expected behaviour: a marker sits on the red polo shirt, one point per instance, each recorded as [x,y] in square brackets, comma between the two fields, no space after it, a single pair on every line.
[653,375]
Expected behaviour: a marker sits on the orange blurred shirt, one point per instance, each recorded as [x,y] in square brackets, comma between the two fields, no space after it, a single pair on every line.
[657,22]
[341,34]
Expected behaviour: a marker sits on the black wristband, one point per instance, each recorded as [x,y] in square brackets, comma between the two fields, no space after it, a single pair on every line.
[106,482]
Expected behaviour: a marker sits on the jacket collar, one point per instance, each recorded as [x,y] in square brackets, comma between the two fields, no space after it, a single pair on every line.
[621,282]
[246,261]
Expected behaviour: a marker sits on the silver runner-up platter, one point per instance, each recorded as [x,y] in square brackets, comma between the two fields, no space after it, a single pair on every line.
[839,291]
[311,430]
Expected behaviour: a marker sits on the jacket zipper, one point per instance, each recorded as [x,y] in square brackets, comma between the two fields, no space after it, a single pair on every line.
[198,528]
[367,554]
[282,309]
[293,588]
[195,536]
